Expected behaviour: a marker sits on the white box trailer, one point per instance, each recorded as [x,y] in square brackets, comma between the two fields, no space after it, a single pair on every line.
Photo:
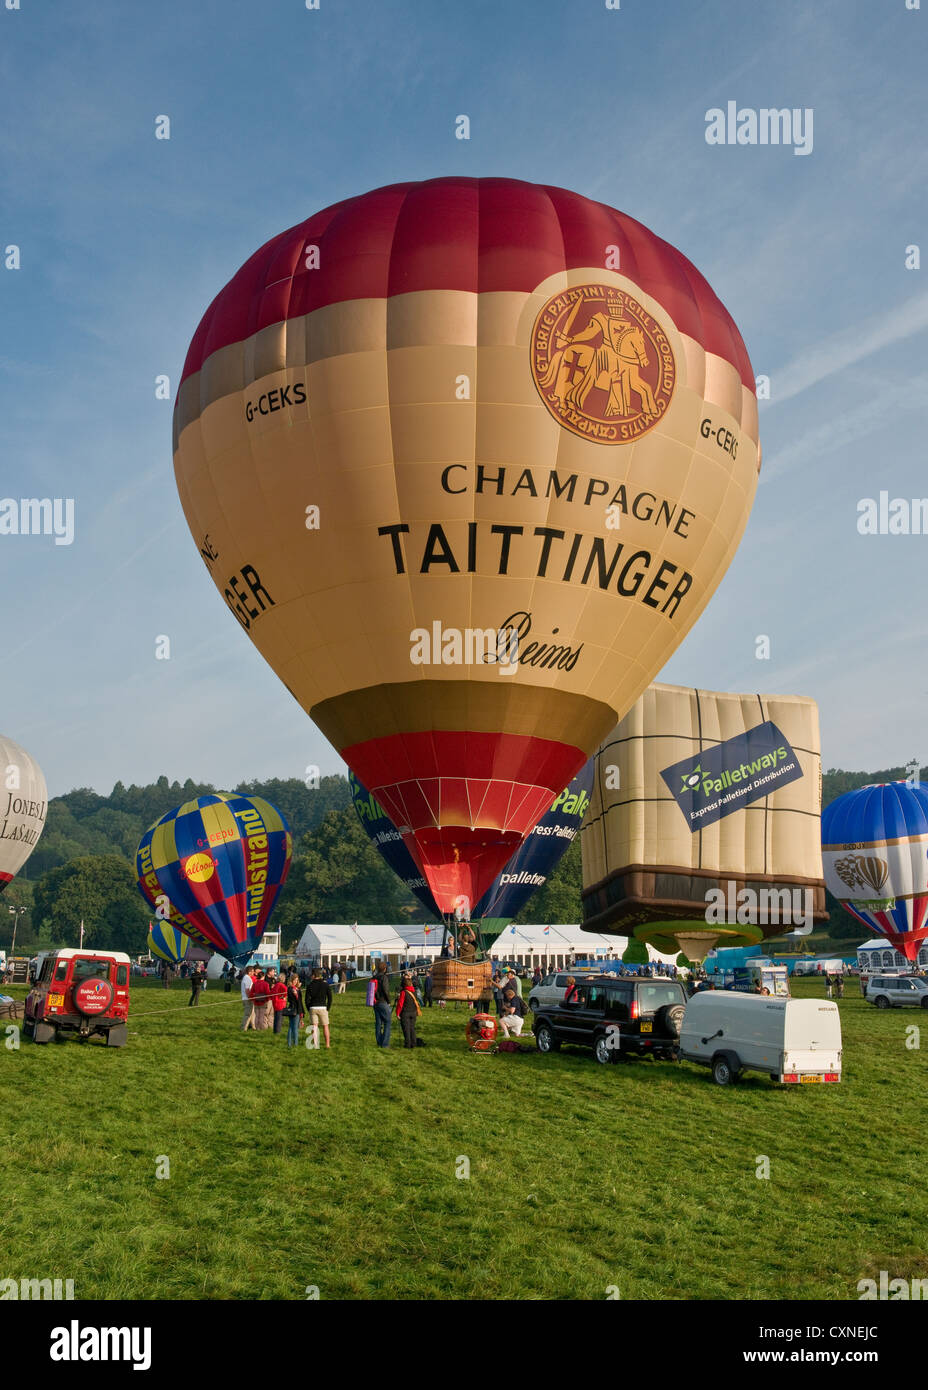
[793,1040]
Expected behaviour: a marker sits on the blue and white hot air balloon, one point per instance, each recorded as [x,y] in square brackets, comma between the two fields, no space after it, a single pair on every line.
[875,856]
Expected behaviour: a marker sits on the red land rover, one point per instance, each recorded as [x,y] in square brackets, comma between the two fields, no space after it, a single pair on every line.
[81,992]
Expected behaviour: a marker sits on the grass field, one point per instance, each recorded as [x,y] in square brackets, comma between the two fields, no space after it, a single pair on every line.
[338,1169]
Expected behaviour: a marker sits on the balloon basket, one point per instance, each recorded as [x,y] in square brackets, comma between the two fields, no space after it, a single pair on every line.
[482,1032]
[464,980]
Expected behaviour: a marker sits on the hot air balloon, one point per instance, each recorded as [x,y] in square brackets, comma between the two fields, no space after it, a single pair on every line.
[156,897]
[875,854]
[536,858]
[703,828]
[221,861]
[23,808]
[168,942]
[466,459]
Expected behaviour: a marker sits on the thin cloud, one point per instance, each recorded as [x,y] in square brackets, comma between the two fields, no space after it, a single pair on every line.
[846,429]
[851,345]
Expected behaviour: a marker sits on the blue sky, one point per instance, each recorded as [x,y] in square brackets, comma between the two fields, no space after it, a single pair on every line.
[277,111]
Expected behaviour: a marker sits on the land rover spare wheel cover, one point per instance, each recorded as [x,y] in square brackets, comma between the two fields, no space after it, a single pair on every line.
[93,996]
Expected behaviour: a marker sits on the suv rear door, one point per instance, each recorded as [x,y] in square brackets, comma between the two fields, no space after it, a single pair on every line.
[652,996]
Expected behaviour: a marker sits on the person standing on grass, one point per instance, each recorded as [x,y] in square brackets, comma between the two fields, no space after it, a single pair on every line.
[261,993]
[278,998]
[248,1000]
[427,987]
[840,986]
[342,979]
[407,1011]
[196,984]
[166,973]
[293,1010]
[382,1020]
[319,1001]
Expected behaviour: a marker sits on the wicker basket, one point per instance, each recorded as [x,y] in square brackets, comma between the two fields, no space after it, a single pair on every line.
[459,979]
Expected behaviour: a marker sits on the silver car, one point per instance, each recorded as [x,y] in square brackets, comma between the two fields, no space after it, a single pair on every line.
[553,987]
[895,991]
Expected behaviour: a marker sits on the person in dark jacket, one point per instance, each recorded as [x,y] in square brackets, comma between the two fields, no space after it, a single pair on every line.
[293,1010]
[513,1015]
[427,988]
[407,1011]
[382,1020]
[319,1001]
[197,976]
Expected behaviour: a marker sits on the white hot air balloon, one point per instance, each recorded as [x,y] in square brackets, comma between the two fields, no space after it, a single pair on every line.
[23,808]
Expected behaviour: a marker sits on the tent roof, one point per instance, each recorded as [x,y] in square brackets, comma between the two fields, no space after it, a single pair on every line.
[554,937]
[337,936]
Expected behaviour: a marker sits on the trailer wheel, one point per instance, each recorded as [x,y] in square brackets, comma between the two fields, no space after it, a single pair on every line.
[725,1069]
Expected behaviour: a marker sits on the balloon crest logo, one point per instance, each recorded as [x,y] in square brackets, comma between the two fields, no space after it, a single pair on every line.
[199,867]
[602,364]
[862,871]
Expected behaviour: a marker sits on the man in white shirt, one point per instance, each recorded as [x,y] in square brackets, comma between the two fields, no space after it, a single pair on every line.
[248,1008]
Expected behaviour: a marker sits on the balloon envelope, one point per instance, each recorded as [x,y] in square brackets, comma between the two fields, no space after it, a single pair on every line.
[704,820]
[465,488]
[168,942]
[23,808]
[536,858]
[155,895]
[875,854]
[221,861]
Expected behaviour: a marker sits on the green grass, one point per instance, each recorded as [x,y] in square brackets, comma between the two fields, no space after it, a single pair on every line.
[337,1169]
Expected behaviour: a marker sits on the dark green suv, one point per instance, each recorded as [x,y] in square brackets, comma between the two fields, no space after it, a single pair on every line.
[615,1017]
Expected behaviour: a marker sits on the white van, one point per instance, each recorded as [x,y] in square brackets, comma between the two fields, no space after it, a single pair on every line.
[793,1040]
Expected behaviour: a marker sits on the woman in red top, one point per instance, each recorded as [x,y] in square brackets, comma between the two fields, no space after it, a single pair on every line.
[407,1011]
[573,994]
[261,994]
[278,999]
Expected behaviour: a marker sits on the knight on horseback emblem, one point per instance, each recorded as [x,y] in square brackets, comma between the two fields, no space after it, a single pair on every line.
[603,365]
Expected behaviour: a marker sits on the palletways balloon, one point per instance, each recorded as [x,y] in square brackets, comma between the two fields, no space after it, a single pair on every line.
[168,942]
[385,837]
[222,860]
[23,808]
[466,459]
[151,890]
[875,856]
[536,858]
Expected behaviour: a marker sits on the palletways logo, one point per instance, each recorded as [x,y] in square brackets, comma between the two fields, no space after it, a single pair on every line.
[728,777]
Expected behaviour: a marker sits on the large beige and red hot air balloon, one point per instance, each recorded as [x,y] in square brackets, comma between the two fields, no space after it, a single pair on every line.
[516,411]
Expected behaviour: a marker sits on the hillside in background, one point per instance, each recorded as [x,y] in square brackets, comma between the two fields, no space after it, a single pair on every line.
[84,864]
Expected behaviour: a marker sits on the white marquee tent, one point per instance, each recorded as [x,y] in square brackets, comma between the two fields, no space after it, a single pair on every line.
[880,954]
[327,943]
[556,946]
